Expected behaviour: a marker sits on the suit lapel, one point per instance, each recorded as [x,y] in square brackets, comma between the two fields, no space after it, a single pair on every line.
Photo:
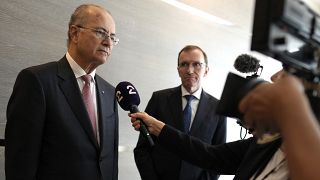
[70,89]
[175,106]
[200,116]
[103,100]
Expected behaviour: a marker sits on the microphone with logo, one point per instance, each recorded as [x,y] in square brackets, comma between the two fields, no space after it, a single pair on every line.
[128,99]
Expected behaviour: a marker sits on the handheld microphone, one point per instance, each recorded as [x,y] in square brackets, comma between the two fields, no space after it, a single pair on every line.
[128,99]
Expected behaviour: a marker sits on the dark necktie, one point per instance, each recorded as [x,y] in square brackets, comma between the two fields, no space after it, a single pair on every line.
[187,113]
[88,101]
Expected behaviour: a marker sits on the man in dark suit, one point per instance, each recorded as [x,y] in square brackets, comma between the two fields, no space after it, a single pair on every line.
[59,125]
[156,162]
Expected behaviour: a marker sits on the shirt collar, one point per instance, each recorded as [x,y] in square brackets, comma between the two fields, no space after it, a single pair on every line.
[196,94]
[77,70]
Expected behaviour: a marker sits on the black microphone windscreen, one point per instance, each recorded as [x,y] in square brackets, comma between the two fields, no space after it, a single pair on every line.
[246,64]
[127,95]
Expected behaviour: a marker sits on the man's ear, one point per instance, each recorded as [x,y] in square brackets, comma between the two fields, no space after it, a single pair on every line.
[74,33]
[178,71]
[206,71]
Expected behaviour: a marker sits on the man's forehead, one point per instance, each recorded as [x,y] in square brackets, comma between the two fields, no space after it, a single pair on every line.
[191,58]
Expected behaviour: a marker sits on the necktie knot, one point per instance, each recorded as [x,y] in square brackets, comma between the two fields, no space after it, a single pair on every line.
[87,78]
[189,98]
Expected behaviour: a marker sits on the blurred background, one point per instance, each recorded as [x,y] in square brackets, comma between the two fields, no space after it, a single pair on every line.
[151,33]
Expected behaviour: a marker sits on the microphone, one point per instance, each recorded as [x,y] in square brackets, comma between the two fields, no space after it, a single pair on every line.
[248,64]
[236,87]
[128,99]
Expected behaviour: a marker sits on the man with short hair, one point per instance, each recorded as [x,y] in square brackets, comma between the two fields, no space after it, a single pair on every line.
[188,108]
[62,118]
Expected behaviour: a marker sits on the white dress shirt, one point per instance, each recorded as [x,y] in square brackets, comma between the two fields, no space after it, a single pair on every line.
[194,103]
[78,72]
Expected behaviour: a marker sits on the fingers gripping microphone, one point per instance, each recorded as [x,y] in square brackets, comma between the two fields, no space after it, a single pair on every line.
[128,99]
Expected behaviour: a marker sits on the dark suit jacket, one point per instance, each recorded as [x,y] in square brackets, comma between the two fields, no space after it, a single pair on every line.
[158,163]
[243,158]
[48,133]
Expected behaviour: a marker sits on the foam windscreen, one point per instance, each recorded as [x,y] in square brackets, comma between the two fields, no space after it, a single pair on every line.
[127,95]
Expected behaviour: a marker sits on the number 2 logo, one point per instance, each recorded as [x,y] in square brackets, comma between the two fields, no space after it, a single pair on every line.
[131,89]
[118,96]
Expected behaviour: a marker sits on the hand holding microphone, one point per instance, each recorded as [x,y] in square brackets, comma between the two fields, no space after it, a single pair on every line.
[128,99]
[154,126]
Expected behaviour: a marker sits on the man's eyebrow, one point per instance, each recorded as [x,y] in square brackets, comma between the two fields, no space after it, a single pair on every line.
[103,29]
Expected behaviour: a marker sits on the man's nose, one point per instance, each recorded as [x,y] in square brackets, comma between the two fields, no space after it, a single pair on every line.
[107,41]
[190,68]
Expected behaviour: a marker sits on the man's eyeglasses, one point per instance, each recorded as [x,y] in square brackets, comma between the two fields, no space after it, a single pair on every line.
[195,65]
[101,34]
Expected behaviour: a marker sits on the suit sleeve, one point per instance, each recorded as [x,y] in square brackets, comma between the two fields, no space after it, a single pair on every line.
[220,134]
[24,128]
[220,159]
[219,137]
[116,142]
[142,152]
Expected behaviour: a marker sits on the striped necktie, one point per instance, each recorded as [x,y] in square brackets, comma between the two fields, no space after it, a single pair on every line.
[187,113]
[88,101]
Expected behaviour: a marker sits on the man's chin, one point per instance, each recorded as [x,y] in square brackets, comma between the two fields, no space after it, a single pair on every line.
[101,60]
[191,88]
